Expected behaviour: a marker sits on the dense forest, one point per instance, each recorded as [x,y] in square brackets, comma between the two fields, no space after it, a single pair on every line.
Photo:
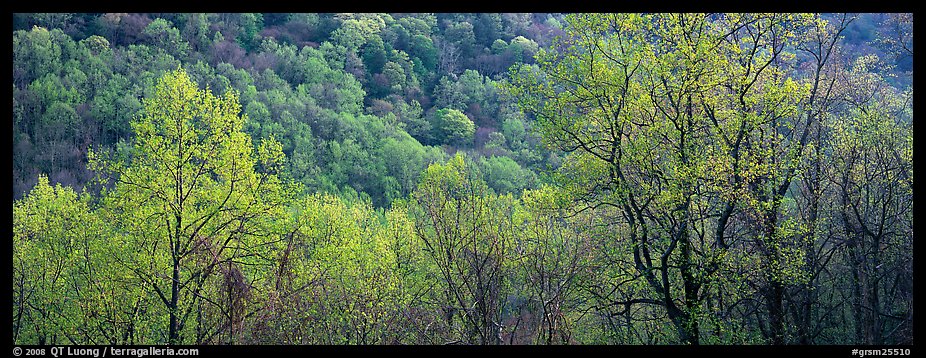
[479,178]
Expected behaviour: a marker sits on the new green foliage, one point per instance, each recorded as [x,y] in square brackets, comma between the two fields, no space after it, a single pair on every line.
[652,178]
[190,206]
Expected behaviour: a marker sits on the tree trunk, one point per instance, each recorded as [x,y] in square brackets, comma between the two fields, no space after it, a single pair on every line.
[775,290]
[174,298]
[776,312]
[691,291]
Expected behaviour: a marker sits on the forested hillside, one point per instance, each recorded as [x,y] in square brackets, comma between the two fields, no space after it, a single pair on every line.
[360,102]
[359,178]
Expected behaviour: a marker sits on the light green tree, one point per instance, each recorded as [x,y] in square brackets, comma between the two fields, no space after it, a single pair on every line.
[453,127]
[675,123]
[467,235]
[50,227]
[190,205]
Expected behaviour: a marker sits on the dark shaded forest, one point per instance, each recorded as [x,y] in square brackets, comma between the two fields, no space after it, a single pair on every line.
[360,178]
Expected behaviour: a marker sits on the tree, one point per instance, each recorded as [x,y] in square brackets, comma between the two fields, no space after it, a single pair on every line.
[453,127]
[504,175]
[553,260]
[196,32]
[462,37]
[335,277]
[374,56]
[57,128]
[584,101]
[778,114]
[357,29]
[514,131]
[871,176]
[164,35]
[523,49]
[422,48]
[250,25]
[395,74]
[36,53]
[67,286]
[49,230]
[487,28]
[466,233]
[676,122]
[190,204]
[448,93]
[405,159]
